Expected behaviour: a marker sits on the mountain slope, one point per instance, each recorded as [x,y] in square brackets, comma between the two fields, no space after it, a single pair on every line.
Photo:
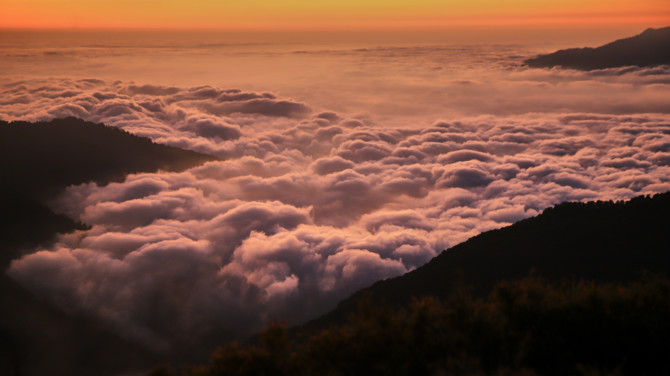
[601,241]
[39,159]
[650,48]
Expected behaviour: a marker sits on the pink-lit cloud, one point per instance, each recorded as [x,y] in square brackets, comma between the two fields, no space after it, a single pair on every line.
[307,206]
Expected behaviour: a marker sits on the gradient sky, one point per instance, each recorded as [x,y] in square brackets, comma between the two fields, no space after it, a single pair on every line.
[329,14]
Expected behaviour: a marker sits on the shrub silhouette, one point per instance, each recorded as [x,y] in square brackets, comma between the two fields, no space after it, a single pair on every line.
[270,356]
[522,328]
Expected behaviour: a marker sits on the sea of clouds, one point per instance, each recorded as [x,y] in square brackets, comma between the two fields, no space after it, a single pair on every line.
[306,206]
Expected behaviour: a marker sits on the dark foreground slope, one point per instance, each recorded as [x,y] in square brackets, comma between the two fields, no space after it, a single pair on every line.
[650,48]
[37,161]
[587,309]
[600,241]
[522,328]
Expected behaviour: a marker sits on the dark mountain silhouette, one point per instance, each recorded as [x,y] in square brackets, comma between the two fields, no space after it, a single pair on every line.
[37,161]
[650,48]
[40,159]
[600,241]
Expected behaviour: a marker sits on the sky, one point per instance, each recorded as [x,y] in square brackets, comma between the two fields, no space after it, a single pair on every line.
[330,14]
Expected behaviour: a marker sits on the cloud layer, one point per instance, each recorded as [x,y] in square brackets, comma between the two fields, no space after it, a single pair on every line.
[307,206]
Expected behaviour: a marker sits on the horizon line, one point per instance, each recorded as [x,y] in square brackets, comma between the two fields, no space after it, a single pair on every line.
[427,28]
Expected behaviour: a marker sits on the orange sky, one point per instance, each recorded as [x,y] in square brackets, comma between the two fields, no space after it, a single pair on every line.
[330,14]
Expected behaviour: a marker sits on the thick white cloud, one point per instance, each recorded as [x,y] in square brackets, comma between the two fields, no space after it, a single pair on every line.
[305,209]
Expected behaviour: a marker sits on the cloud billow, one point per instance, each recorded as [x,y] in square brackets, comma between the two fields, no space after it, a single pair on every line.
[306,207]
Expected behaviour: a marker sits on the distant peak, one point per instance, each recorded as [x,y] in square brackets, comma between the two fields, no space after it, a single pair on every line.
[649,48]
[651,30]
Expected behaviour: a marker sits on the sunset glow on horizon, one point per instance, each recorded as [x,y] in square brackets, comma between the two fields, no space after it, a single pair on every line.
[329,14]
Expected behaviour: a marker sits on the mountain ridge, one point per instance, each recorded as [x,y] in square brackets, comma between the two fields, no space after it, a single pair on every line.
[649,48]
[41,158]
